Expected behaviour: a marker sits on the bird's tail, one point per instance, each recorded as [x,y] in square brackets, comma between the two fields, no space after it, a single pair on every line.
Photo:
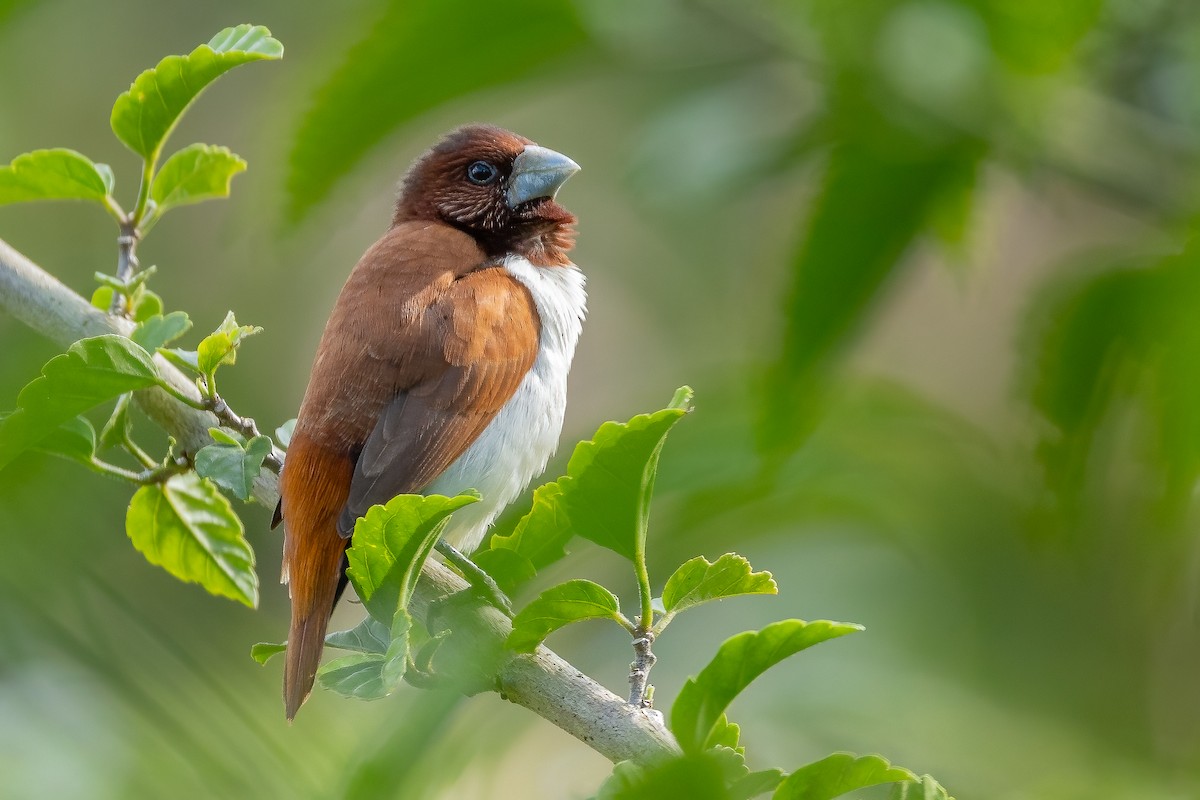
[314,577]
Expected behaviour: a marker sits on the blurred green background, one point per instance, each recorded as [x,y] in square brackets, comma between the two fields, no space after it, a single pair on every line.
[925,262]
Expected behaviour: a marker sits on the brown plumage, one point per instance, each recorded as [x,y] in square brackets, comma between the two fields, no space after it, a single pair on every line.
[430,338]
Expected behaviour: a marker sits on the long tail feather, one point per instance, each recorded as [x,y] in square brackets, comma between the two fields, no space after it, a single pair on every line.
[315,582]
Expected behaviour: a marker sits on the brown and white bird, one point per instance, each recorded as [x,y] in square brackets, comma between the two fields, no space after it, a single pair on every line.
[443,366]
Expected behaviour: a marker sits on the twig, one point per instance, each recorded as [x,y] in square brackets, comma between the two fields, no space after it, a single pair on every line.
[126,264]
[243,425]
[639,670]
[146,477]
[541,682]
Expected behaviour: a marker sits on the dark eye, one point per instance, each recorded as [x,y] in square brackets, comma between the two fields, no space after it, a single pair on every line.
[481,173]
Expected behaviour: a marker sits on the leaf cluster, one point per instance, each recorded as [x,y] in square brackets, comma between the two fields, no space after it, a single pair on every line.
[178,518]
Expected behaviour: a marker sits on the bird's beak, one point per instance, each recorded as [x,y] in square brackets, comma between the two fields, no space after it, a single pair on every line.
[538,172]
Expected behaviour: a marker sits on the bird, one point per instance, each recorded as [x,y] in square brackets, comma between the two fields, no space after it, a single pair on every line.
[442,368]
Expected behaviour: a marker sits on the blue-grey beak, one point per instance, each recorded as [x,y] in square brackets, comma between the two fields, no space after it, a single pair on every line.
[537,172]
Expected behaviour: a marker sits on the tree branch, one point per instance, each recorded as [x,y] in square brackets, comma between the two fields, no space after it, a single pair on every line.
[541,682]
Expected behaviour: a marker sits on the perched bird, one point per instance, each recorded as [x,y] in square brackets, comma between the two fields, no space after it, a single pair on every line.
[443,366]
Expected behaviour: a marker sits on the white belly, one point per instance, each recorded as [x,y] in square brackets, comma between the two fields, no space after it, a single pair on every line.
[518,442]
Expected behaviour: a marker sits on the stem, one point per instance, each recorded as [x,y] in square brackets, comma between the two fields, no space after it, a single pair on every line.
[227,417]
[126,264]
[662,623]
[141,455]
[145,477]
[114,209]
[639,670]
[643,578]
[183,397]
[475,576]
[139,209]
[246,426]
[643,635]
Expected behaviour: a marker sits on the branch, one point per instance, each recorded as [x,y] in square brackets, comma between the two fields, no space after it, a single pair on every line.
[542,682]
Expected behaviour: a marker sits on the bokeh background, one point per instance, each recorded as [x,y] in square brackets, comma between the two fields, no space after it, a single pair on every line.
[927,264]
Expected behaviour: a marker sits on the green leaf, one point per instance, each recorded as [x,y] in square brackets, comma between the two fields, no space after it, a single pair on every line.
[399,767]
[1038,37]
[222,436]
[74,439]
[396,658]
[118,427]
[283,434]
[233,466]
[682,399]
[184,359]
[755,784]
[880,179]
[610,480]
[89,373]
[390,545]
[508,568]
[700,580]
[383,82]
[725,734]
[924,788]
[146,305]
[559,606]
[695,776]
[189,529]
[265,651]
[106,175]
[128,285]
[102,297]
[158,331]
[196,173]
[837,774]
[220,346]
[358,676]
[1127,331]
[539,540]
[369,636]
[58,174]
[740,660]
[144,116]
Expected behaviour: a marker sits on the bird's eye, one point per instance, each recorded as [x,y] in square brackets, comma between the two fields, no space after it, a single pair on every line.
[481,173]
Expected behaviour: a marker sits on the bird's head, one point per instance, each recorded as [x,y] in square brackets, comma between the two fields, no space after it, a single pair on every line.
[495,185]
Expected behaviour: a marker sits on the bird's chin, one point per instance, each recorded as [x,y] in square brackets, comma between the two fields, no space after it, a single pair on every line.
[544,213]
[531,208]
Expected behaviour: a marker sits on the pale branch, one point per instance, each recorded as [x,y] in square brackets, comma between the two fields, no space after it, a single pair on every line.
[542,682]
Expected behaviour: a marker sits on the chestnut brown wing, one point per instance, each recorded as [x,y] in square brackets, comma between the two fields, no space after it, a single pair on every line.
[485,329]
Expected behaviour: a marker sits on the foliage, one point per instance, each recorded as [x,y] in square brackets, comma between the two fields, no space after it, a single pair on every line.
[178,519]
[1080,103]
[186,527]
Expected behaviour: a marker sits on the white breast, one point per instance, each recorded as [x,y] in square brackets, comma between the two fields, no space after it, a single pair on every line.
[519,441]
